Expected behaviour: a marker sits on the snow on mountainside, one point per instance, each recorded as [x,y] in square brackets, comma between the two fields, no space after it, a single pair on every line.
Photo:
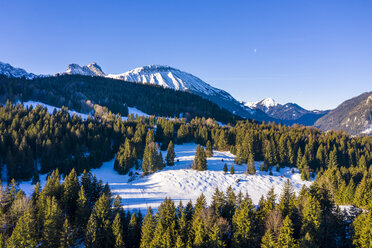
[170,78]
[289,112]
[10,71]
[267,103]
[88,70]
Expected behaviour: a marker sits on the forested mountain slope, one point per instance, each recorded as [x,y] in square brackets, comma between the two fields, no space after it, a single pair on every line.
[88,94]
[353,116]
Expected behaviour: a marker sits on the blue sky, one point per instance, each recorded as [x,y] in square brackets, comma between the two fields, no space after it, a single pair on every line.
[314,53]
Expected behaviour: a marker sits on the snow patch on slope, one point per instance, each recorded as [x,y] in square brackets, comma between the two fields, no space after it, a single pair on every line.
[51,109]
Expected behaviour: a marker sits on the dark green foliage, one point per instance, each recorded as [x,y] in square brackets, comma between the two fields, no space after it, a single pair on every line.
[200,161]
[125,158]
[170,154]
[251,169]
[225,168]
[230,221]
[232,170]
[208,149]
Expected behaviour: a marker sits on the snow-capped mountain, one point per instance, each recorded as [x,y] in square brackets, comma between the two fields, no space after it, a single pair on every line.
[265,103]
[289,112]
[169,77]
[10,71]
[88,70]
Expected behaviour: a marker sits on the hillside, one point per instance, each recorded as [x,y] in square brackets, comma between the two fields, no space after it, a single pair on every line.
[354,116]
[86,93]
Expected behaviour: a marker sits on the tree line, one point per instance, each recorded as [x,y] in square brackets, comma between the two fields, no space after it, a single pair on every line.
[76,211]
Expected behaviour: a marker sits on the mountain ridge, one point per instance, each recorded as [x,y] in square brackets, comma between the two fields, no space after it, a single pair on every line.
[353,116]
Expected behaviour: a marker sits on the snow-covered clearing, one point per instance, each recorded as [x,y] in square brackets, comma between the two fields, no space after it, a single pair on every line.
[180,182]
[51,108]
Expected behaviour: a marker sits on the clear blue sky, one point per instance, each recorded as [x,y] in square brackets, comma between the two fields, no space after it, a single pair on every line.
[314,53]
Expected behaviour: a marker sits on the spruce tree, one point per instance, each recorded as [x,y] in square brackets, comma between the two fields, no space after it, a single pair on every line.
[244,225]
[25,233]
[170,154]
[225,168]
[250,165]
[117,231]
[98,228]
[66,236]
[148,228]
[285,238]
[209,150]
[215,237]
[70,193]
[52,223]
[268,240]
[200,162]
[232,170]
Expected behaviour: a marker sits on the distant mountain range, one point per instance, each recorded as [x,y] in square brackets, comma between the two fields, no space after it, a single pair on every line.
[264,110]
[354,116]
[10,71]
[289,112]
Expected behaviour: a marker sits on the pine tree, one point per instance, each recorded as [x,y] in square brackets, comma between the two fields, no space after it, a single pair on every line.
[151,159]
[286,204]
[285,238]
[66,236]
[82,212]
[209,150]
[200,162]
[134,229]
[232,170]
[117,231]
[312,217]
[98,228]
[52,223]
[243,225]
[215,237]
[170,154]
[148,228]
[250,165]
[70,193]
[125,158]
[218,202]
[268,240]
[225,168]
[198,231]
[25,233]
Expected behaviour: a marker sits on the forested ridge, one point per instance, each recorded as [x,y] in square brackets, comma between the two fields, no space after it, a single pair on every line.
[33,141]
[84,93]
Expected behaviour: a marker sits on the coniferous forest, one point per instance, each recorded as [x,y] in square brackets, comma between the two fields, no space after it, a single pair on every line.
[72,211]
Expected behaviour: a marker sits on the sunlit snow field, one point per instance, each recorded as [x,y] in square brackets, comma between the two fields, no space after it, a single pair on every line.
[182,183]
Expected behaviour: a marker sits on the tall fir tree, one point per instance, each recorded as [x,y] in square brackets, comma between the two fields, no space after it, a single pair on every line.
[200,162]
[170,154]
